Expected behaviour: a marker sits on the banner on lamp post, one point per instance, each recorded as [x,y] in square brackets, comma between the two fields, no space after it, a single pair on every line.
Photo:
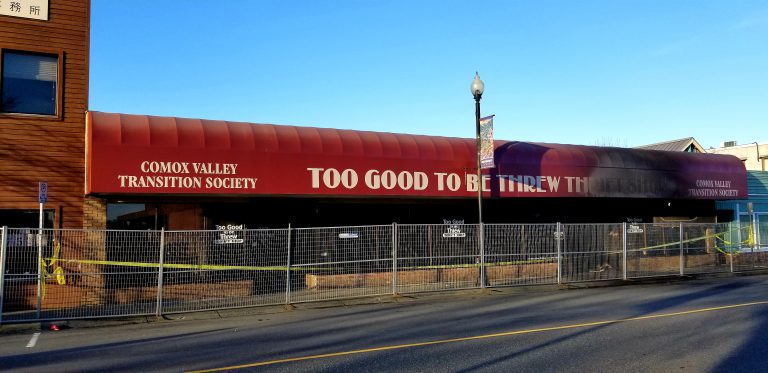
[486,143]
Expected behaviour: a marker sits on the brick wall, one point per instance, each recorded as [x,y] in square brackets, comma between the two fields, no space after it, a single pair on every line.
[94,213]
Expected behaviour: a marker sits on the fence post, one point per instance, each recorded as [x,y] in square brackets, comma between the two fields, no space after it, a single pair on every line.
[558,237]
[624,250]
[755,233]
[482,256]
[738,231]
[3,255]
[40,278]
[730,257]
[160,270]
[758,238]
[682,260]
[394,258]
[288,270]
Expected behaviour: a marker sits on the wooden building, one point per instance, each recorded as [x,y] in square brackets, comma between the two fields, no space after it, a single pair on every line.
[44,48]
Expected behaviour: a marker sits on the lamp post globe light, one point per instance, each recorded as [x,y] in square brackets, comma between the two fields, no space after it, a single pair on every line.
[477,87]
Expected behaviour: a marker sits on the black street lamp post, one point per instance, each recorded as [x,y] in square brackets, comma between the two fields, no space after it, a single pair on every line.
[477,89]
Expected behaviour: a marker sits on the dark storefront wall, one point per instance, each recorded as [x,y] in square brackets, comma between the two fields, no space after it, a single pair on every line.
[313,212]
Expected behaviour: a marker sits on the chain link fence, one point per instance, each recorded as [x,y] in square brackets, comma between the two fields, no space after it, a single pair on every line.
[73,274]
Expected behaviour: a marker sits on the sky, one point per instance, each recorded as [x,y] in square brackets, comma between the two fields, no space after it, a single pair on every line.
[613,73]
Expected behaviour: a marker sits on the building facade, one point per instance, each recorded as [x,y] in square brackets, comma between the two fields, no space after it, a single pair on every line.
[754,155]
[44,51]
[753,209]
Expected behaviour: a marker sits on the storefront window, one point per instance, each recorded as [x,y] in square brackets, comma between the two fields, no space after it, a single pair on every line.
[134,216]
[29,83]
[13,218]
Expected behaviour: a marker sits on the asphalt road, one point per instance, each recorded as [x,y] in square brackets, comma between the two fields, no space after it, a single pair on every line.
[709,325]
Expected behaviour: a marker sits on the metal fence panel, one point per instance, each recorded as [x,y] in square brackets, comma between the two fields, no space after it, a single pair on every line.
[591,252]
[761,257]
[520,254]
[340,262]
[437,257]
[653,249]
[734,240]
[226,268]
[99,273]
[20,280]
[703,250]
[85,274]
[743,241]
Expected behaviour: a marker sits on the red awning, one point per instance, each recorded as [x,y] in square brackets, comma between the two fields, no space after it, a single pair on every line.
[142,155]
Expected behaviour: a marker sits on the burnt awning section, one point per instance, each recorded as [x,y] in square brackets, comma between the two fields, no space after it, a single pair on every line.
[146,155]
[620,172]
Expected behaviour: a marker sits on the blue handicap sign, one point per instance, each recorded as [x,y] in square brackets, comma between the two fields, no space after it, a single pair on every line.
[42,195]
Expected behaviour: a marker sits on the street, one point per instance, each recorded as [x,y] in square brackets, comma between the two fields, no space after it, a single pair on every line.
[702,325]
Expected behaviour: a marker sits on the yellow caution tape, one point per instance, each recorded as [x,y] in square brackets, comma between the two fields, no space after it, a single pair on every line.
[716,236]
[44,275]
[58,272]
[272,268]
[60,278]
[56,252]
[187,266]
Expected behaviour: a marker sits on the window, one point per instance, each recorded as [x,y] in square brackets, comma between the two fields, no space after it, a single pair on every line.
[25,218]
[133,216]
[29,83]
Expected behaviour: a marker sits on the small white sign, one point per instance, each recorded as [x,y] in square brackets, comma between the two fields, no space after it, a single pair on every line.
[228,234]
[348,235]
[634,229]
[32,9]
[454,232]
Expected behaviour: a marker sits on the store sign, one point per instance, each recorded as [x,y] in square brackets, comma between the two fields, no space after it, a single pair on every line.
[32,9]
[229,234]
[154,174]
[217,173]
[714,189]
[180,156]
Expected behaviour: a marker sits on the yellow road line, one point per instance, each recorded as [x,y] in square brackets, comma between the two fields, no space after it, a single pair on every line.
[477,337]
